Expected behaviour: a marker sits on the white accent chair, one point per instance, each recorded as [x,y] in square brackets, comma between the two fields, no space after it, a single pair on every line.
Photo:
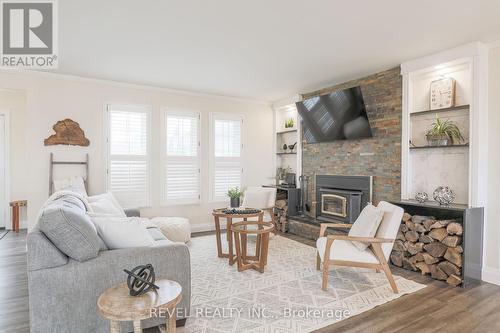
[261,198]
[339,249]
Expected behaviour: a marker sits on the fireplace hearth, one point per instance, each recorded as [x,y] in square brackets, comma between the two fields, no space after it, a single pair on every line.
[341,198]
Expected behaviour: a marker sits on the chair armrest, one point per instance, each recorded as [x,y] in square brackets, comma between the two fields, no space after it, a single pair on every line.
[361,239]
[324,226]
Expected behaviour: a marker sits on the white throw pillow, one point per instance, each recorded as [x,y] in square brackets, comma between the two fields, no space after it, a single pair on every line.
[75,184]
[366,225]
[121,233]
[106,203]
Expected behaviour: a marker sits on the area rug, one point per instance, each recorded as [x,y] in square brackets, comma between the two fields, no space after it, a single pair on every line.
[287,297]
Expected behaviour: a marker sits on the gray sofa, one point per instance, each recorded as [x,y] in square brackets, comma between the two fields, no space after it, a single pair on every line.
[64,283]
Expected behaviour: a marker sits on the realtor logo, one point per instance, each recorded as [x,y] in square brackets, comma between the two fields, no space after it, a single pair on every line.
[28,34]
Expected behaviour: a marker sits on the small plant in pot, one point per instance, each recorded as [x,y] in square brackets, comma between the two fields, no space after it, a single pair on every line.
[443,133]
[234,194]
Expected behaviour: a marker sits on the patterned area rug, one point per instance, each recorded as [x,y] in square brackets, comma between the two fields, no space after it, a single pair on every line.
[287,297]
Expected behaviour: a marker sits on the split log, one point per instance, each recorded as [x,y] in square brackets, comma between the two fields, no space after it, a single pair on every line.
[436,249]
[419,257]
[414,248]
[406,217]
[452,241]
[410,225]
[426,239]
[438,234]
[421,219]
[441,223]
[427,224]
[420,228]
[453,256]
[454,280]
[399,246]
[429,260]
[400,236]
[436,273]
[455,228]
[459,249]
[423,267]
[397,258]
[448,268]
[411,236]
[409,264]
[403,228]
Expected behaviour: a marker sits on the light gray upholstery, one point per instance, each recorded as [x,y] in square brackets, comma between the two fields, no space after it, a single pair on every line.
[42,253]
[70,229]
[63,292]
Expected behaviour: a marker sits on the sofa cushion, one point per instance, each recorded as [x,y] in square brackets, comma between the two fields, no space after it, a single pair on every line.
[106,203]
[121,233]
[70,229]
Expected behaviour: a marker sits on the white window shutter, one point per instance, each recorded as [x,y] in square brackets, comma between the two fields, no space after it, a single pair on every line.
[128,155]
[226,132]
[181,181]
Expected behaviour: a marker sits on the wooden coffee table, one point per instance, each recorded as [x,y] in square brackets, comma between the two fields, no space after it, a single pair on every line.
[241,230]
[115,304]
[217,214]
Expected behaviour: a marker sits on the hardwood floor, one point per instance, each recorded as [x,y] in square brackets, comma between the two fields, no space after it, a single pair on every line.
[14,315]
[436,308]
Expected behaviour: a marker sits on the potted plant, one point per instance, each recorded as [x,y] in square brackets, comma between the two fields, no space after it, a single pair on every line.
[443,133]
[289,123]
[234,194]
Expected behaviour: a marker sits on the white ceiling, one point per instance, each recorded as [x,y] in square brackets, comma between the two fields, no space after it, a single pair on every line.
[260,49]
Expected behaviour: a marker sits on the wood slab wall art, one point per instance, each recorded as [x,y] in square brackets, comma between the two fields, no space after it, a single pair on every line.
[68,132]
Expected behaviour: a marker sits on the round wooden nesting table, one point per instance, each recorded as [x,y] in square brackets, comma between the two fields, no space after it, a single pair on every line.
[115,304]
[241,230]
[220,213]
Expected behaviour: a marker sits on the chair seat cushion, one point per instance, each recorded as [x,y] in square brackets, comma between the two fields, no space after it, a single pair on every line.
[176,229]
[345,250]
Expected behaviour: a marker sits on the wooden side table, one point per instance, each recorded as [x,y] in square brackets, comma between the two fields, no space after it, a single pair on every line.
[15,213]
[115,304]
[217,214]
[262,230]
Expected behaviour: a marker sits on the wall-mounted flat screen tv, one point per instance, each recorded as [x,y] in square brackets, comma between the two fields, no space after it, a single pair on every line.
[340,115]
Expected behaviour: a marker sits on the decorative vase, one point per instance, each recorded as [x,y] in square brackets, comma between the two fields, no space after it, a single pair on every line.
[235,202]
[285,147]
[437,140]
[444,195]
[421,197]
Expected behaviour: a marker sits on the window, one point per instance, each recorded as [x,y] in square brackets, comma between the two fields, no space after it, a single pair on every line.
[226,152]
[128,154]
[181,180]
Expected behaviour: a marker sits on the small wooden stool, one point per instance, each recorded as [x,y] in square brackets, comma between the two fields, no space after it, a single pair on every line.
[15,213]
[241,231]
[115,304]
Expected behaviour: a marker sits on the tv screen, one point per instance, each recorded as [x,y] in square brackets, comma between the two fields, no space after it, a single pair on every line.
[340,115]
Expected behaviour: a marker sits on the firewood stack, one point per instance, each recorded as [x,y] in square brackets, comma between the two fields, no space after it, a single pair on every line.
[430,246]
[281,211]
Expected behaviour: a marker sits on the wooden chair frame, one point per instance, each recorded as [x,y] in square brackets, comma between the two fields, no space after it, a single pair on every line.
[376,247]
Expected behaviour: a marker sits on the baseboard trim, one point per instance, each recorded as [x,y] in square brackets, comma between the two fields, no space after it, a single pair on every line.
[491,275]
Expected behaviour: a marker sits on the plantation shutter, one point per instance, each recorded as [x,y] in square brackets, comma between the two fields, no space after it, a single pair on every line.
[182,163]
[128,155]
[227,147]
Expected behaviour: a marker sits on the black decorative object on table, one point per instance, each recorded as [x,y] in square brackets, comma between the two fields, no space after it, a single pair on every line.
[240,211]
[141,279]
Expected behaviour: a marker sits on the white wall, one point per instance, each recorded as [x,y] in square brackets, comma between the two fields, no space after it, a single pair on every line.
[15,103]
[50,98]
[492,232]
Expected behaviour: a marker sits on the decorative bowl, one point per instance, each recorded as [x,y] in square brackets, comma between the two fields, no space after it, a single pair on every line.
[444,195]
[421,197]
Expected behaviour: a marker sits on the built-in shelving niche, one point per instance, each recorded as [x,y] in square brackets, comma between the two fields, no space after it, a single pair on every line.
[430,167]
